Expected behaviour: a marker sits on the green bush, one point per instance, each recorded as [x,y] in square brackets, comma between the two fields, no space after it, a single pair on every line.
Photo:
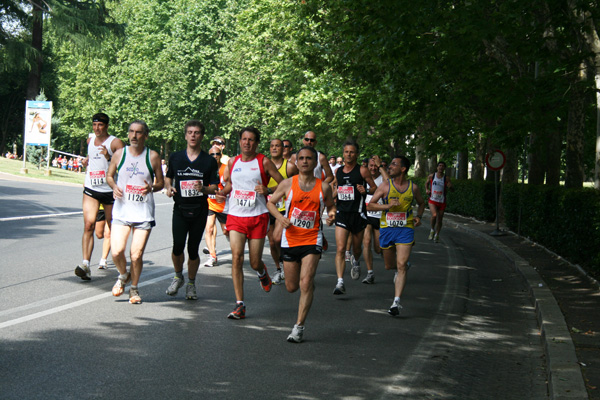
[472,199]
[567,221]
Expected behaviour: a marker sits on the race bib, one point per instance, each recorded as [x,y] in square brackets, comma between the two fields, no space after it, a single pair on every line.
[244,198]
[135,193]
[346,193]
[98,178]
[437,196]
[303,219]
[395,219]
[188,189]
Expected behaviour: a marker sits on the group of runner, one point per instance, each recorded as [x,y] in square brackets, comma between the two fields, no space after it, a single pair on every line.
[253,197]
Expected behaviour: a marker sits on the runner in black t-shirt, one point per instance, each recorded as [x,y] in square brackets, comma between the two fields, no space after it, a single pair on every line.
[191,175]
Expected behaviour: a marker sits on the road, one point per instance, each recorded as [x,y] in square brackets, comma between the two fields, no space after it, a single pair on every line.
[467,331]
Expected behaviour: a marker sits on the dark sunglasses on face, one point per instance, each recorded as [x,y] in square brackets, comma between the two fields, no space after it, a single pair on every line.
[310,140]
[287,146]
[215,154]
[218,142]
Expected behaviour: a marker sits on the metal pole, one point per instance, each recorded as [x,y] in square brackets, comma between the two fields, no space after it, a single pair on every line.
[497,231]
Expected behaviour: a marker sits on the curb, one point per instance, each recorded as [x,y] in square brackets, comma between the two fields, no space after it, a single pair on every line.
[565,380]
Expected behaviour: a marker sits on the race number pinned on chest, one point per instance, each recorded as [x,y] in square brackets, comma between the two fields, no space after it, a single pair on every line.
[188,188]
[345,193]
[395,219]
[244,198]
[135,193]
[437,195]
[303,219]
[98,178]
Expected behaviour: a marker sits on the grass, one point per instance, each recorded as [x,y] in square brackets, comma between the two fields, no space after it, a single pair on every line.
[13,167]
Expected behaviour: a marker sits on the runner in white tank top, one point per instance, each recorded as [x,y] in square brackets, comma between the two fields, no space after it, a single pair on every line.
[96,191]
[134,173]
[247,176]
[95,175]
[139,174]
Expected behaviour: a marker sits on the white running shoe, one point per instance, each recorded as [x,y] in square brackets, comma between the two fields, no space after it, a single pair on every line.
[278,277]
[431,234]
[355,271]
[211,262]
[395,309]
[296,335]
[339,288]
[348,255]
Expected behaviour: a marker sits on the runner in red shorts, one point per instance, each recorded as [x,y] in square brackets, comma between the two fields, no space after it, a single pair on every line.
[247,176]
[437,186]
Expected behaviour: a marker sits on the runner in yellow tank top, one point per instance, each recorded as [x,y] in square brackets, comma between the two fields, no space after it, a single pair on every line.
[397,233]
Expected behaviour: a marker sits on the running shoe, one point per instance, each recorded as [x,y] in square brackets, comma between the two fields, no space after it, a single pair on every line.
[211,262]
[348,255]
[119,287]
[355,271]
[102,266]
[278,277]
[265,281]
[239,312]
[83,271]
[134,296]
[296,335]
[436,238]
[370,279]
[395,309]
[205,250]
[431,234]
[339,288]
[176,283]
[190,292]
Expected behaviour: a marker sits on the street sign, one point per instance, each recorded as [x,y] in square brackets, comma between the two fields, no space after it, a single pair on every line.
[495,160]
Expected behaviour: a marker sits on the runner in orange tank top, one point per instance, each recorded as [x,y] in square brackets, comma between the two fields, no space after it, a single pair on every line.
[302,238]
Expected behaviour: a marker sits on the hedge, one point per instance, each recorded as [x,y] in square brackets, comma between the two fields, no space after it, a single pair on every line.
[566,221]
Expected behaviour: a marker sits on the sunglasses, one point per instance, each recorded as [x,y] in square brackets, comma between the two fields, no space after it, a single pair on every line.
[218,142]
[287,146]
[215,154]
[310,140]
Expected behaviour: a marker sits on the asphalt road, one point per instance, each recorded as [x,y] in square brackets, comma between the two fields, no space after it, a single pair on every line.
[467,330]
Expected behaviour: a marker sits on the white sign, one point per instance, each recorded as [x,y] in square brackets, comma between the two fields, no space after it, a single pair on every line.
[38,115]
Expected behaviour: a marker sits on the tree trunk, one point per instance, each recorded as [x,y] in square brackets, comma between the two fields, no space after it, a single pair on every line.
[478,164]
[575,132]
[510,173]
[420,162]
[537,158]
[33,84]
[463,165]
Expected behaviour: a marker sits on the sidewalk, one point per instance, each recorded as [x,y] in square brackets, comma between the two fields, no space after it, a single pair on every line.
[568,310]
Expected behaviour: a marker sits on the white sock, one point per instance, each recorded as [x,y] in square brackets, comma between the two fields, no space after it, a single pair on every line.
[397,300]
[340,280]
[103,261]
[86,263]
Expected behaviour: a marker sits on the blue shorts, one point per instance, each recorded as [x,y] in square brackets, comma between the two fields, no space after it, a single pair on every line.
[390,237]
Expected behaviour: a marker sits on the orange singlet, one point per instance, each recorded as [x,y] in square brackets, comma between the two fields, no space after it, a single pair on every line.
[304,210]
